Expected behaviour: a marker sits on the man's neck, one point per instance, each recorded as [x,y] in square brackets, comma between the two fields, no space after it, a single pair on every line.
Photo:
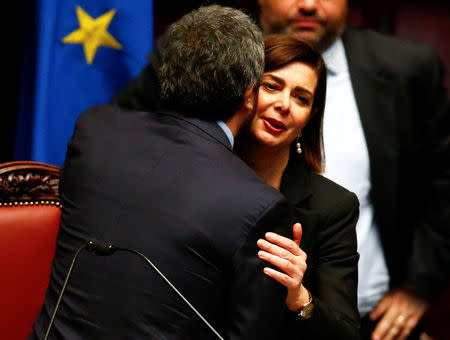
[233,124]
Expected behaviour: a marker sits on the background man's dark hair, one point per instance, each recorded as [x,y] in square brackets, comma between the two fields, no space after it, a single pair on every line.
[211,56]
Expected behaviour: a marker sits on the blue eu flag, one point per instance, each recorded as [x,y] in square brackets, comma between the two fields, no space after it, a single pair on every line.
[84,52]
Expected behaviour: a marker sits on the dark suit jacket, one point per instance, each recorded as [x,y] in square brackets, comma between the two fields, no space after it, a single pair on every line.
[328,214]
[173,189]
[405,116]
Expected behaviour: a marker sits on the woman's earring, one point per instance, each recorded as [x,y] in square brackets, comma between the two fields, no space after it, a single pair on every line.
[298,145]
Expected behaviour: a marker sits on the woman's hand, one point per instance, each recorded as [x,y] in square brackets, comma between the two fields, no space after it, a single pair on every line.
[286,254]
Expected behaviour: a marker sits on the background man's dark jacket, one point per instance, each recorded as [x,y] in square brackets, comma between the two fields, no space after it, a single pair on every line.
[405,116]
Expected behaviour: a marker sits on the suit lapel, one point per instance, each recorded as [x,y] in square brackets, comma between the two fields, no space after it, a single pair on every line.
[296,181]
[374,87]
[296,186]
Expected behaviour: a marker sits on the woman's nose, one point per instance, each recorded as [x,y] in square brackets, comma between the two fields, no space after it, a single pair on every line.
[283,102]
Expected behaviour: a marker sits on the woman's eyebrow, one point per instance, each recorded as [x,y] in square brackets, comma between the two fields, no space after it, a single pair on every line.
[282,82]
[275,78]
[303,90]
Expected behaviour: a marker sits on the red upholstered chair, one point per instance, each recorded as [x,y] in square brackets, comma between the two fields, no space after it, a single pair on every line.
[29,220]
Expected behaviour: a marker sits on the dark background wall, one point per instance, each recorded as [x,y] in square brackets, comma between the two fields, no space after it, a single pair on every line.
[423,20]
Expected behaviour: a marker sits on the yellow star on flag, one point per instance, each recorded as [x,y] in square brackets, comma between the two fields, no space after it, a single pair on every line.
[92,33]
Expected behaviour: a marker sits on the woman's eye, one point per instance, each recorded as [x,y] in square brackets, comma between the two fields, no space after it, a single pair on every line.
[302,99]
[269,86]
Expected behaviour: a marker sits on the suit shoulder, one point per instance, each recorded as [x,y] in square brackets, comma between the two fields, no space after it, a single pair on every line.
[102,112]
[109,116]
[379,47]
[94,111]
[246,189]
[384,42]
[328,194]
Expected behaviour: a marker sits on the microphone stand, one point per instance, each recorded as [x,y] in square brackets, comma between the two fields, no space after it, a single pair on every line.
[103,248]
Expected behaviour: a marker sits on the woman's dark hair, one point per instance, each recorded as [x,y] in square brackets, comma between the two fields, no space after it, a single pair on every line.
[282,49]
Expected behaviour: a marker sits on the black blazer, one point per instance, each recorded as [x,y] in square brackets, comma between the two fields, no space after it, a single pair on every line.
[173,189]
[328,214]
[405,116]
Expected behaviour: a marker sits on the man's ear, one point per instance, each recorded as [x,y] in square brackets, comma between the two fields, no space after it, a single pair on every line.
[250,99]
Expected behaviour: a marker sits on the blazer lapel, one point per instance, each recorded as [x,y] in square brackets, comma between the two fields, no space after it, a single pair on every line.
[296,186]
[296,181]
[374,87]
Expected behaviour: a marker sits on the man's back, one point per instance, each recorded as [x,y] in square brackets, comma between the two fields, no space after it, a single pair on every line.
[172,189]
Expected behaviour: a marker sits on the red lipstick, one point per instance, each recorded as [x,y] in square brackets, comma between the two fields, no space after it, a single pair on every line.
[274,125]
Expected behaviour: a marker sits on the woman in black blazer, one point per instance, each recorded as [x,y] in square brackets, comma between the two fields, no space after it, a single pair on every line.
[284,145]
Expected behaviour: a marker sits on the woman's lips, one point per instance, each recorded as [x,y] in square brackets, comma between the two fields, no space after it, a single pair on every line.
[274,125]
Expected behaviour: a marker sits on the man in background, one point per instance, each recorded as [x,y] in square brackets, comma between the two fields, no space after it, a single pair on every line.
[168,184]
[386,136]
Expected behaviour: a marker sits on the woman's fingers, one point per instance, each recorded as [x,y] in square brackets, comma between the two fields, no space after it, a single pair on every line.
[290,269]
[274,249]
[297,232]
[284,243]
[282,278]
[282,253]
[286,255]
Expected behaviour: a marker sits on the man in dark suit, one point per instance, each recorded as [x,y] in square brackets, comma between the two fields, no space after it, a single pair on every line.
[168,184]
[386,138]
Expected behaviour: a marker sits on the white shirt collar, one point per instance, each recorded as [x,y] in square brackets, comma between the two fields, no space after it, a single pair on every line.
[334,57]
[227,131]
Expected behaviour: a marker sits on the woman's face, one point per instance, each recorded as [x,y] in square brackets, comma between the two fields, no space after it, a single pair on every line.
[284,104]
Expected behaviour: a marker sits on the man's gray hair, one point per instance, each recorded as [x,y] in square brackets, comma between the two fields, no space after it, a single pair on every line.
[212,55]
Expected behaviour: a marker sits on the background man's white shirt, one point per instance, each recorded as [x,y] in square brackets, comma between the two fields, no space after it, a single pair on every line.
[347,163]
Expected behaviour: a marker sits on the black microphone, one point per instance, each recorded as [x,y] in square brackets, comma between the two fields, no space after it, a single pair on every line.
[102,248]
